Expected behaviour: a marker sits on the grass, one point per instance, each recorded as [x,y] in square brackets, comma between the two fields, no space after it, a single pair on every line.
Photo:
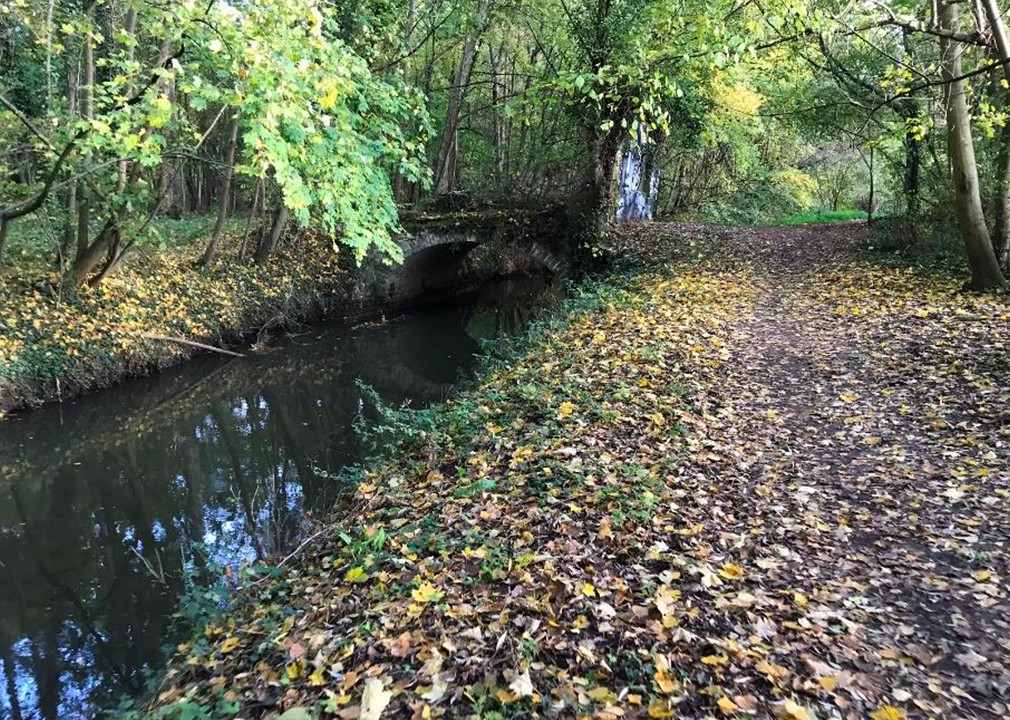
[819,216]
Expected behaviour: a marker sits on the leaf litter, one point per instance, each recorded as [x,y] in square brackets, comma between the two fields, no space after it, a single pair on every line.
[766,478]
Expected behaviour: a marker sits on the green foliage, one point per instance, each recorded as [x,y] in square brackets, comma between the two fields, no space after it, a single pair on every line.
[314,119]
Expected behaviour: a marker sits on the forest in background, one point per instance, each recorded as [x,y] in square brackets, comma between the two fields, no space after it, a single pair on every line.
[258,117]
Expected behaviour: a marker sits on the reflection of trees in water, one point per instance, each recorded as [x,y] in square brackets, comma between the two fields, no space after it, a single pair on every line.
[101,503]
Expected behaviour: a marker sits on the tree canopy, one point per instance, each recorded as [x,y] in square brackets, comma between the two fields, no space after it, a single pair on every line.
[335,114]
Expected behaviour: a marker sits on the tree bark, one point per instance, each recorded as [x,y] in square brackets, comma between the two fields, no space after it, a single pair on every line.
[913,162]
[1001,218]
[871,199]
[4,227]
[985,270]
[269,242]
[999,34]
[87,103]
[222,211]
[445,160]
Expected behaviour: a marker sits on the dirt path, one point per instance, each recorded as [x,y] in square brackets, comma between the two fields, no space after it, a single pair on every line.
[866,410]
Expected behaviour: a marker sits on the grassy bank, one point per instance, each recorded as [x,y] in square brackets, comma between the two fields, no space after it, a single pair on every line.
[516,558]
[53,346]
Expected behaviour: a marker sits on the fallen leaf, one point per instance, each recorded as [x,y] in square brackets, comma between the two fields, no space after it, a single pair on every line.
[374,699]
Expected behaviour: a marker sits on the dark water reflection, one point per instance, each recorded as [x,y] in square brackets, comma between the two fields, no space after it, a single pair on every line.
[102,501]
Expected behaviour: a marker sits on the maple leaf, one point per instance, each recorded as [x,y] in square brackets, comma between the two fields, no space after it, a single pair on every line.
[426,593]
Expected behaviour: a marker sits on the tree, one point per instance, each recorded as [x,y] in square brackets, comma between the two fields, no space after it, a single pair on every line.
[985,270]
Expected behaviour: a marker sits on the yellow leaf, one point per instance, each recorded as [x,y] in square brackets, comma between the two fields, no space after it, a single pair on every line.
[714,660]
[727,705]
[659,709]
[981,575]
[356,575]
[828,682]
[588,589]
[565,409]
[848,396]
[427,593]
[229,644]
[601,694]
[666,682]
[318,677]
[888,712]
[295,669]
[732,572]
[329,100]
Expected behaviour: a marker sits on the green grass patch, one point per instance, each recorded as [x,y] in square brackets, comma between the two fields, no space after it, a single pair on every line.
[818,217]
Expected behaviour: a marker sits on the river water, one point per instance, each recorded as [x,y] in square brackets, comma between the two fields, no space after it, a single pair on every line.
[107,502]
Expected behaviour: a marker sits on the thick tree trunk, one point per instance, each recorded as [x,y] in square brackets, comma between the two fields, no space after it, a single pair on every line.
[985,271]
[224,204]
[445,160]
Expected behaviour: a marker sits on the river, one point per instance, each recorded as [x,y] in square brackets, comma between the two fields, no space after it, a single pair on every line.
[108,503]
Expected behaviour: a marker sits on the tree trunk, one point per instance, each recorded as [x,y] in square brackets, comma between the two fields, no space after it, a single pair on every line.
[871,199]
[445,161]
[91,257]
[985,271]
[995,17]
[269,242]
[1001,219]
[87,103]
[913,162]
[4,226]
[222,211]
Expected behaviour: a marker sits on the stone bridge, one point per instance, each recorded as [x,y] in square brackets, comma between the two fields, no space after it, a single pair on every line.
[539,235]
[456,250]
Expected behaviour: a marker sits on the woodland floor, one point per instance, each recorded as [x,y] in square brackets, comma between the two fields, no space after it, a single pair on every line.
[765,478]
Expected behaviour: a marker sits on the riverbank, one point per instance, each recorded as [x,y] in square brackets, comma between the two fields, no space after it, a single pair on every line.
[160,307]
[688,496]
[52,348]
